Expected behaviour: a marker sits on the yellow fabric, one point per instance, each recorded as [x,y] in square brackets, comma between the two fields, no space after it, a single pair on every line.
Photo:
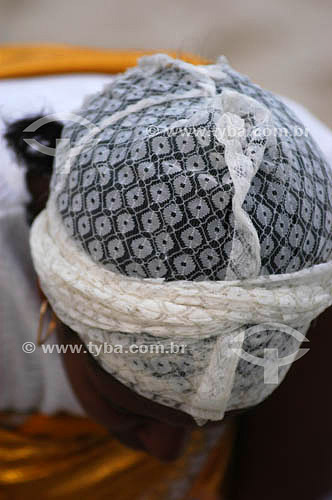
[69,458]
[32,60]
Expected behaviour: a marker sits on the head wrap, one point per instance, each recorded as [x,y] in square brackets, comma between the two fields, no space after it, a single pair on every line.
[179,213]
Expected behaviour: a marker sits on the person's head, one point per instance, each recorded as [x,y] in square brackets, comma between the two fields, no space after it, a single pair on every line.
[179,215]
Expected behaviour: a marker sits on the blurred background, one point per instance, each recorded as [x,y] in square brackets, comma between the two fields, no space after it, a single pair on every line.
[283,45]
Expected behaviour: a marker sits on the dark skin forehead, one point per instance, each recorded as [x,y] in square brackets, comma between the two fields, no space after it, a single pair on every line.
[136,421]
[123,399]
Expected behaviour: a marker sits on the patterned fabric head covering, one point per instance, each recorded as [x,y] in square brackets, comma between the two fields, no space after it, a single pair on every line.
[188,205]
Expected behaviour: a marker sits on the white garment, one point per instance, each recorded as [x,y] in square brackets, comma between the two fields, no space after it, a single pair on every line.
[37,380]
[34,381]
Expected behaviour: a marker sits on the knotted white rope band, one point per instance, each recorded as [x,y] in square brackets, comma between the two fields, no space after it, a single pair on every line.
[96,297]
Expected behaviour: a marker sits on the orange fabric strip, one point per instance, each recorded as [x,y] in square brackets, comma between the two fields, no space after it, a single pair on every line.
[33,60]
[70,458]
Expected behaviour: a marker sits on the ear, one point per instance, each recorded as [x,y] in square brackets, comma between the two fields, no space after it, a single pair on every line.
[38,165]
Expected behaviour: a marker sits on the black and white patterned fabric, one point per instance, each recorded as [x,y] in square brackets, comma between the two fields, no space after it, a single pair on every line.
[149,203]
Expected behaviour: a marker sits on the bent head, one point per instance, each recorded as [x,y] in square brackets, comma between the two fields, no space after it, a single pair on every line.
[176,232]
